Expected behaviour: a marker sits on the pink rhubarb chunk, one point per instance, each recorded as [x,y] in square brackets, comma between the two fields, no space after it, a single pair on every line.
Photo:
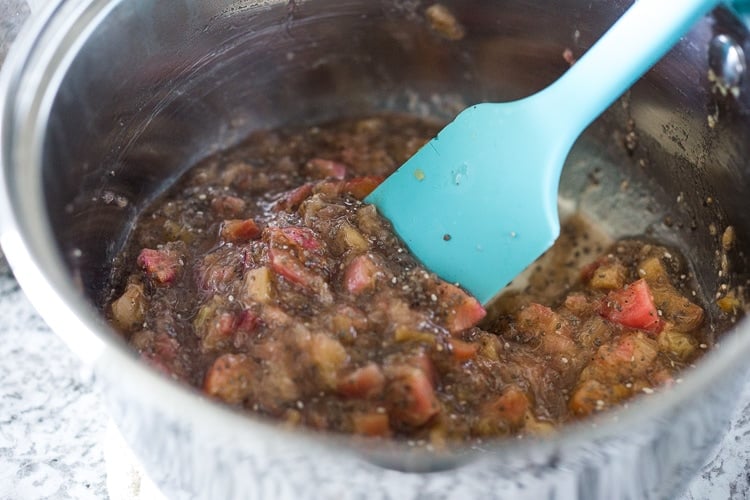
[633,306]
[463,310]
[360,274]
[161,265]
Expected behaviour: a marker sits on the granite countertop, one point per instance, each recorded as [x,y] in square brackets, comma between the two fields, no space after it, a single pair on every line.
[53,427]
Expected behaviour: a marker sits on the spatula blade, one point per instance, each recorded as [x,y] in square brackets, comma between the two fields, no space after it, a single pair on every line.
[478,203]
[478,214]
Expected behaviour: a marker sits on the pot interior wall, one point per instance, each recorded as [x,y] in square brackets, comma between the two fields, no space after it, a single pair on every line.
[159,85]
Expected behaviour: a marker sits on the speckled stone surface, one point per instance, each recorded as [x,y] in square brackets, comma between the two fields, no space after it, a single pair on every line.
[52,424]
[54,432]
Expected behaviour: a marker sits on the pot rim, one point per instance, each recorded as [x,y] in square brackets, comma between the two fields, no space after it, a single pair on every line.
[35,62]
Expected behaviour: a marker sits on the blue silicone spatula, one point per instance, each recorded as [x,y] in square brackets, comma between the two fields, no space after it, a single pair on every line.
[478,203]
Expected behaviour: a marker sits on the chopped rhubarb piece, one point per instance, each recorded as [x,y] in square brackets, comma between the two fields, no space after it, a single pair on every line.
[411,397]
[166,347]
[577,303]
[247,321]
[302,237]
[544,325]
[230,378]
[219,330]
[128,310]
[554,343]
[360,187]
[633,307]
[348,238]
[463,310]
[293,254]
[587,272]
[228,206]
[329,357]
[623,351]
[214,324]
[463,351]
[371,424]
[653,271]
[605,273]
[277,384]
[287,265]
[537,319]
[275,317]
[677,344]
[609,276]
[678,310]
[361,274]
[630,355]
[326,168]
[365,382]
[240,231]
[590,396]
[411,334]
[216,272]
[291,200]
[245,329]
[348,318]
[511,406]
[160,265]
[370,223]
[257,285]
[423,361]
[226,323]
[399,313]
[645,351]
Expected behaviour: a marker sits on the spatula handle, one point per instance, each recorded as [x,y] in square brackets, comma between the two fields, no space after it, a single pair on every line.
[616,61]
